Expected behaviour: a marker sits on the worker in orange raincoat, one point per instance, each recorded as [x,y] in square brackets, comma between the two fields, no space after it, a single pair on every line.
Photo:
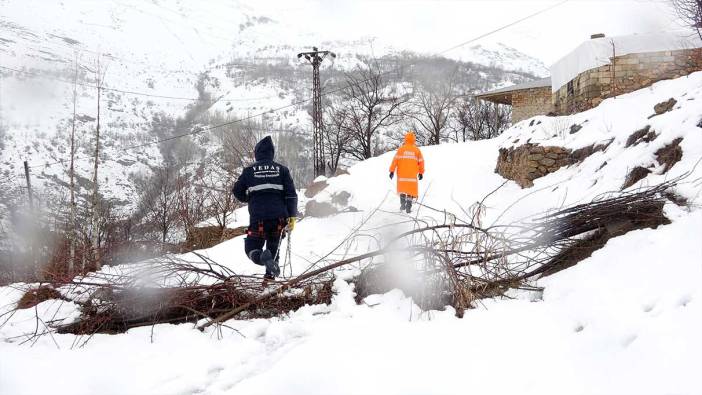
[409,164]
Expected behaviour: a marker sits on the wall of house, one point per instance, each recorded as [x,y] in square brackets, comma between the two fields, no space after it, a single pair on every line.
[626,74]
[527,103]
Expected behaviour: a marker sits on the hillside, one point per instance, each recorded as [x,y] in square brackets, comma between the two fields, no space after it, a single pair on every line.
[169,68]
[625,320]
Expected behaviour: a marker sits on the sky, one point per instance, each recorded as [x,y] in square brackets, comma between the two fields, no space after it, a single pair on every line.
[435,25]
[207,29]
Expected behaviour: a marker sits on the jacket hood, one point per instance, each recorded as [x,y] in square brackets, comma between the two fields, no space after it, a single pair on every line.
[410,138]
[264,149]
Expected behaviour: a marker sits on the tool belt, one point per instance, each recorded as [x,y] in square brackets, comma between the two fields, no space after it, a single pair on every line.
[259,232]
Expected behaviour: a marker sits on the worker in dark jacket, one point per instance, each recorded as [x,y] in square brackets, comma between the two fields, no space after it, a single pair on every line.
[270,192]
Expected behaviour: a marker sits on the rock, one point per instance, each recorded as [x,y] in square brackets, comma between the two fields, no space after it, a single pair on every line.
[575,128]
[636,174]
[554,155]
[548,162]
[341,198]
[670,154]
[581,154]
[535,156]
[317,209]
[644,134]
[340,172]
[665,106]
[315,188]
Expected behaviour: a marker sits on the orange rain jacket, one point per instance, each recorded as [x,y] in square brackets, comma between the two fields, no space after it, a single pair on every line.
[408,162]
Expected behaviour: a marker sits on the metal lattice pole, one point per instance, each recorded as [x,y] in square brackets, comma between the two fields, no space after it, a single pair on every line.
[315,58]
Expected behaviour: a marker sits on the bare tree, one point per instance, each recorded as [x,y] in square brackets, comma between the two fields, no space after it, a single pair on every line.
[430,110]
[499,119]
[190,202]
[337,136]
[690,12]
[477,120]
[212,189]
[237,142]
[157,199]
[371,104]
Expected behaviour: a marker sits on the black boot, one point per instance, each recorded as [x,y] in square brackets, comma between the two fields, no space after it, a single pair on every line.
[408,204]
[272,268]
[402,202]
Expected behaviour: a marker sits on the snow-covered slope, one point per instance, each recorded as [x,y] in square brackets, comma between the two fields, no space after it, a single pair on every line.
[627,320]
[161,60]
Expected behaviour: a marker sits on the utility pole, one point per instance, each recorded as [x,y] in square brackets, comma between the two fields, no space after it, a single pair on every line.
[315,58]
[72,219]
[32,221]
[29,186]
[99,74]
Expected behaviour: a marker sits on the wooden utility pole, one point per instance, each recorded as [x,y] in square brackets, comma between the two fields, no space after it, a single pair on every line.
[94,204]
[72,219]
[315,58]
[29,187]
[32,220]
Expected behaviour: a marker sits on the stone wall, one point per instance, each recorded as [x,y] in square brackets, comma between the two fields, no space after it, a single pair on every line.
[528,162]
[627,73]
[527,103]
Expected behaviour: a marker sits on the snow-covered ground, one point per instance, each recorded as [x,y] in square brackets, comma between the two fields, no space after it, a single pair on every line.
[627,320]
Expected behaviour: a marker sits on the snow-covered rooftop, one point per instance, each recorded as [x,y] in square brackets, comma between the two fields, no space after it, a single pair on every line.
[597,52]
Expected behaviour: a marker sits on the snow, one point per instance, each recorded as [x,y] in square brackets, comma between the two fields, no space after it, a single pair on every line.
[598,52]
[163,48]
[627,320]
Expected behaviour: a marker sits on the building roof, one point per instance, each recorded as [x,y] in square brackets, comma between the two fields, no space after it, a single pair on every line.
[504,95]
[597,52]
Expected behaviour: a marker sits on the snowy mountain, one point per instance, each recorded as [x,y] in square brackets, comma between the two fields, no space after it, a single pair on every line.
[162,61]
[625,320]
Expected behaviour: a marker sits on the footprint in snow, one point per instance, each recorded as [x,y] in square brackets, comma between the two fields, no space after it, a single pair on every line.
[684,301]
[628,340]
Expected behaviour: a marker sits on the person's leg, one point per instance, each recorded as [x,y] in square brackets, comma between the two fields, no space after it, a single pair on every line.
[408,203]
[403,198]
[269,258]
[253,246]
[272,243]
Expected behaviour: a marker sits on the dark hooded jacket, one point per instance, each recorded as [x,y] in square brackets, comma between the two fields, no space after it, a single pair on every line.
[266,186]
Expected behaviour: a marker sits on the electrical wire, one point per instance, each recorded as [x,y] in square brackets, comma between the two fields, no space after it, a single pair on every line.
[95,86]
[294,104]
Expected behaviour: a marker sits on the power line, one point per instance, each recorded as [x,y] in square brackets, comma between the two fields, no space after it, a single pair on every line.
[49,44]
[131,92]
[239,120]
[95,86]
[9,179]
[504,27]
